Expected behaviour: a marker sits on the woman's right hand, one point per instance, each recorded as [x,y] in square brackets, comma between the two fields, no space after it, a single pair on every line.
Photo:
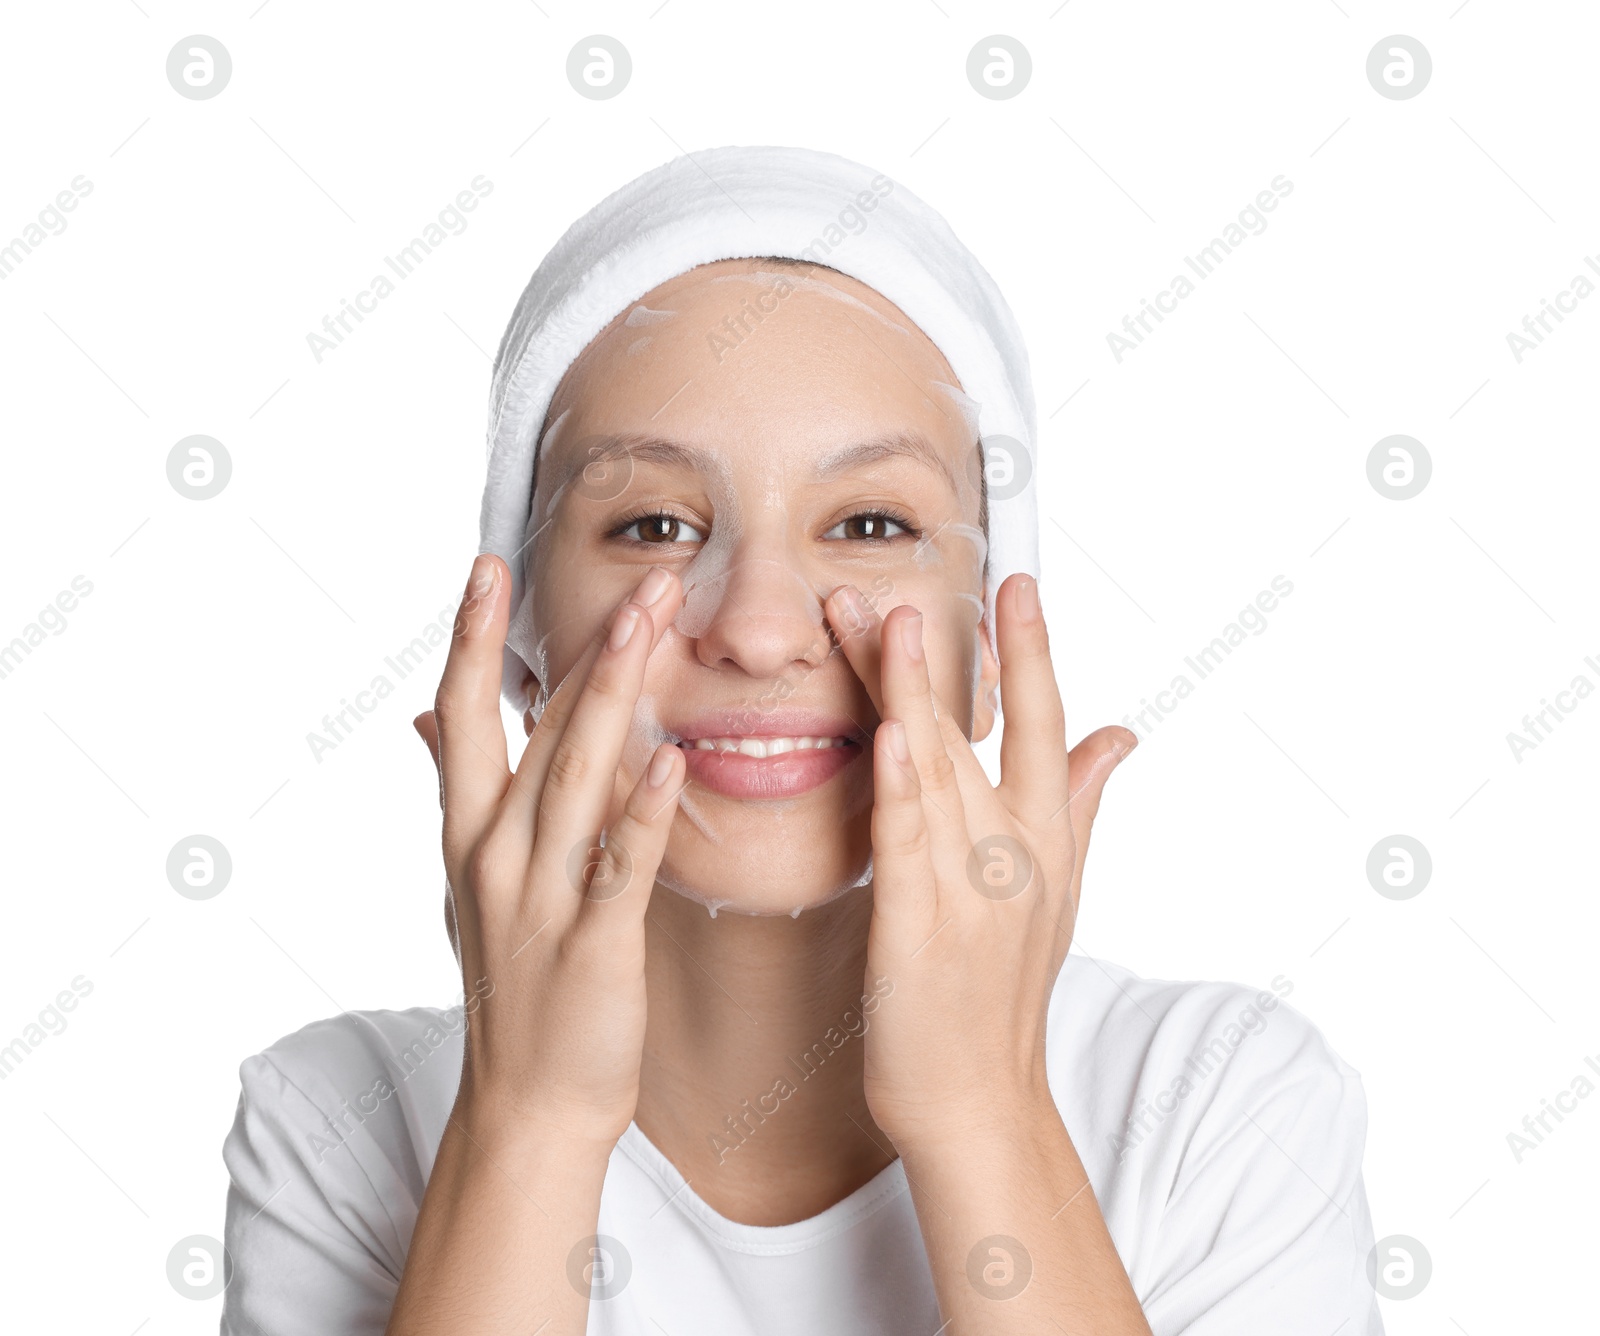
[549,928]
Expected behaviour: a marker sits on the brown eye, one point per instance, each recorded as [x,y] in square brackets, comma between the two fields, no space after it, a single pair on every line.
[663,528]
[866,527]
[659,529]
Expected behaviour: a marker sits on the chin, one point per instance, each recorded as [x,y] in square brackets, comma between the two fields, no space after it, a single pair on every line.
[770,865]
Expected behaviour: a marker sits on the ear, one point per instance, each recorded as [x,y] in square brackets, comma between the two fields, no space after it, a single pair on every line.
[986,704]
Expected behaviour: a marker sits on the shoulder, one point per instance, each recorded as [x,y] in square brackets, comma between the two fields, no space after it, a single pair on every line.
[366,1041]
[332,1142]
[1146,1061]
[1102,1012]
[367,1083]
[1224,1137]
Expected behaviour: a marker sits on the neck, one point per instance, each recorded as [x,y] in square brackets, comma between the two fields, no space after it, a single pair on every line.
[751,1082]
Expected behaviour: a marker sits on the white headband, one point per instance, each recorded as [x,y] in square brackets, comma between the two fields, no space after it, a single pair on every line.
[735,202]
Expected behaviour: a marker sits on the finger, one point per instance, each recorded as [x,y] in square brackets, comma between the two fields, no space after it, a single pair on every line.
[908,697]
[428,729]
[1033,746]
[663,602]
[617,893]
[904,888]
[570,779]
[1091,763]
[949,818]
[859,628]
[466,708]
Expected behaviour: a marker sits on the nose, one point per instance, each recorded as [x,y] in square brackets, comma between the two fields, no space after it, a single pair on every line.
[764,618]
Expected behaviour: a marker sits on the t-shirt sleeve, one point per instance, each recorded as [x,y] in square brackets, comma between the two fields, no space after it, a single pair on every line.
[306,1257]
[1267,1227]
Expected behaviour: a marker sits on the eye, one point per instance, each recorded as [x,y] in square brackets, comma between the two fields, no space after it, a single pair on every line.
[870,526]
[660,527]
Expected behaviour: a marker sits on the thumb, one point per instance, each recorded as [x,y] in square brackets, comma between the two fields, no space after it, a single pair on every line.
[1089,766]
[428,730]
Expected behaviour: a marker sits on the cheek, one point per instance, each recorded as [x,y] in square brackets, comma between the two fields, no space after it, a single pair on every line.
[954,661]
[942,575]
[950,631]
[561,632]
[568,604]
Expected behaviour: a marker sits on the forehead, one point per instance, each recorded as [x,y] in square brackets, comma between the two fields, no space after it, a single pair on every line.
[744,357]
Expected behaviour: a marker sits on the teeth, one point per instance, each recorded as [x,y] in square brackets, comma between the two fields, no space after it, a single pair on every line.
[762,747]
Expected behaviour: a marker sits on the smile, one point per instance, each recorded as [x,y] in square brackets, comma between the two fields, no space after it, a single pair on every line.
[796,751]
[767,746]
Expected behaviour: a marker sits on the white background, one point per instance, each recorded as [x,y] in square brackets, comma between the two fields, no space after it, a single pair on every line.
[1230,448]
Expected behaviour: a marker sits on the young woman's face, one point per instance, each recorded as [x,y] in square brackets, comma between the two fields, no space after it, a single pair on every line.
[769,434]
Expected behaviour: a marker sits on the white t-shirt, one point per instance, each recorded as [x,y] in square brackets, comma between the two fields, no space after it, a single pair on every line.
[1223,1137]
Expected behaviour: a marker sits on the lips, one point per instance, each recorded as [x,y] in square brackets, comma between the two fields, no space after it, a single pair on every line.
[755,754]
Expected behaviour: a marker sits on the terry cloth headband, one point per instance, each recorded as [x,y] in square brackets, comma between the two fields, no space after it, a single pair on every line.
[737,202]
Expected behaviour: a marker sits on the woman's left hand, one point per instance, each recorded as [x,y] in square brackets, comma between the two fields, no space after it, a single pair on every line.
[975,885]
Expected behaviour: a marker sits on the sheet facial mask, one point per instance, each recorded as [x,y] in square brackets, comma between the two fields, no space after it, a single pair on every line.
[761,512]
[776,285]
[756,575]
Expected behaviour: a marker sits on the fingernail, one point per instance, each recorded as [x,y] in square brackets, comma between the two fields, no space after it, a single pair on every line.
[660,767]
[895,732]
[1120,746]
[1028,600]
[653,586]
[911,636]
[480,581]
[622,629]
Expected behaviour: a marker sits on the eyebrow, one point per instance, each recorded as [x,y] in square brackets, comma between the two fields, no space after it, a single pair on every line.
[903,444]
[649,449]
